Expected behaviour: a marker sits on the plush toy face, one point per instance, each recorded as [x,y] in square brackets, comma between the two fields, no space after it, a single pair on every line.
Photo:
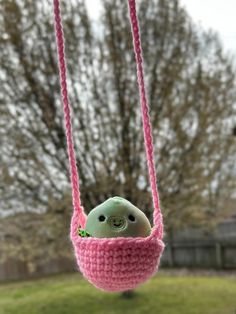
[117,217]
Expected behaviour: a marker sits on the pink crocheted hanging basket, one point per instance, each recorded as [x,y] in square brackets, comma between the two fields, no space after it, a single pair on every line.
[117,264]
[114,264]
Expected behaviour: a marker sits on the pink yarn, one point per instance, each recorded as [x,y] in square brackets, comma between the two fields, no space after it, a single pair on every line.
[114,264]
[144,107]
[78,209]
[118,264]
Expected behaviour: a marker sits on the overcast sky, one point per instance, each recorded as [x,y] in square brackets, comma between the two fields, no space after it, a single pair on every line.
[219,15]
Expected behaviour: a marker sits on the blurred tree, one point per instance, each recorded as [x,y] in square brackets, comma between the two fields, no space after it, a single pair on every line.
[191,91]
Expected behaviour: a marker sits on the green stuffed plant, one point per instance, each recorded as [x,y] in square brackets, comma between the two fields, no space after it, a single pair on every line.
[116,217]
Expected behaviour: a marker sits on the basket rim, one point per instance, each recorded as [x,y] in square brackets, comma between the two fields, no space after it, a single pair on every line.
[122,240]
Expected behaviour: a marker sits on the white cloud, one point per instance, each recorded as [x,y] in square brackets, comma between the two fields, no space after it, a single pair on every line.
[218,15]
[94,7]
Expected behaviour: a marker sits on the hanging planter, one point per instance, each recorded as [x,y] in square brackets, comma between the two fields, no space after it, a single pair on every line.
[119,263]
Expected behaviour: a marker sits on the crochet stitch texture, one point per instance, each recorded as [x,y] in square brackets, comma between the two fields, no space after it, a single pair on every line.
[117,264]
[114,264]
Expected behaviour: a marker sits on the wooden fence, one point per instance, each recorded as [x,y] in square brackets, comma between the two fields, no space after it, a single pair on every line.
[207,254]
[13,269]
[218,255]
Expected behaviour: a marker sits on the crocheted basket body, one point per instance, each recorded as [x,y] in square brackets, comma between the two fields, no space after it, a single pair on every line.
[114,264]
[118,264]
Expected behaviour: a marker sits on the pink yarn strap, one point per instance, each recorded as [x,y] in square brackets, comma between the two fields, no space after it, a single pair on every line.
[78,216]
[145,113]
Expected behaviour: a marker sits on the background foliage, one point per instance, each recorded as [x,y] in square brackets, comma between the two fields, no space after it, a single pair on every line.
[191,91]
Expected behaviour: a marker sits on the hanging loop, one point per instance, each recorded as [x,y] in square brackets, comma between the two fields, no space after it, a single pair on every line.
[79,216]
[147,130]
[78,209]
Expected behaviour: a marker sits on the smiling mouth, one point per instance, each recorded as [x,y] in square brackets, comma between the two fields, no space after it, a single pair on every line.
[117,222]
[117,225]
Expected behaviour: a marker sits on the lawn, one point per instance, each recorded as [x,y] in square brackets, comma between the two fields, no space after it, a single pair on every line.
[70,294]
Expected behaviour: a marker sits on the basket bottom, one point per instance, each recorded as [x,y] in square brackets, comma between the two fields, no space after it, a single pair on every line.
[118,264]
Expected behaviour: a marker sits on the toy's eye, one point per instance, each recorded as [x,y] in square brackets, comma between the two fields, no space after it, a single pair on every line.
[101,218]
[131,218]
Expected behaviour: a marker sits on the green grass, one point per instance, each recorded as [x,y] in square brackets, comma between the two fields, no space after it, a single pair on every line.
[164,294]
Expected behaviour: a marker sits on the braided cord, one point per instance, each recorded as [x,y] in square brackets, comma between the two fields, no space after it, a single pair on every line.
[78,209]
[145,112]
